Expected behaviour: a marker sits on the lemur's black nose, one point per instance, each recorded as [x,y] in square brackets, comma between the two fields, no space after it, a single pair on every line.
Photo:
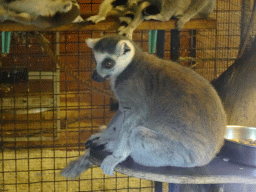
[97,77]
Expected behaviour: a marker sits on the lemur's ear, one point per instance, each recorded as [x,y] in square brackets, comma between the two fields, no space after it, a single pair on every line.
[123,47]
[91,42]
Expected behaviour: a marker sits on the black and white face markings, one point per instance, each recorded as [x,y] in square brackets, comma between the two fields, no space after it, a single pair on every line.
[107,64]
[110,65]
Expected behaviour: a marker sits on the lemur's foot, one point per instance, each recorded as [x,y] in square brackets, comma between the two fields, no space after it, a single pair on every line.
[109,163]
[181,22]
[157,17]
[95,19]
[121,28]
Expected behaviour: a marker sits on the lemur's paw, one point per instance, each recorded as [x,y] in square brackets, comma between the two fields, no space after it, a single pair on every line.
[153,17]
[95,19]
[97,142]
[92,139]
[75,168]
[157,17]
[177,16]
[121,28]
[181,22]
[109,164]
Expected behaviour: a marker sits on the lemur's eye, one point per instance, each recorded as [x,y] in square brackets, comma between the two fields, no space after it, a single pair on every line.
[108,63]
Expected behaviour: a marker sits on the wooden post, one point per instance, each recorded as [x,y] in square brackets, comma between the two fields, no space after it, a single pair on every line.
[111,23]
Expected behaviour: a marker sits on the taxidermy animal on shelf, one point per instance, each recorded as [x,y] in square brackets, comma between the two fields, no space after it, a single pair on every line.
[41,13]
[168,114]
[183,10]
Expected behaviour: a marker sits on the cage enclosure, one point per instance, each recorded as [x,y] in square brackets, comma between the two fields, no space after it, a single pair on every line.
[47,112]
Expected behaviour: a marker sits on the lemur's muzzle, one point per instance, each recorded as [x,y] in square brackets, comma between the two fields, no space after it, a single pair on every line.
[97,77]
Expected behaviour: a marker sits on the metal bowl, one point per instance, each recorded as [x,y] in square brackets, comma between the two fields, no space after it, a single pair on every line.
[238,152]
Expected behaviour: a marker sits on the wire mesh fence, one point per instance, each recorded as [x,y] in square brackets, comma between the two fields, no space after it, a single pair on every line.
[47,115]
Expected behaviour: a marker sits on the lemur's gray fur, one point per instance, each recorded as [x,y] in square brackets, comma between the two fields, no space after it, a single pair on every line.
[161,10]
[168,114]
[41,13]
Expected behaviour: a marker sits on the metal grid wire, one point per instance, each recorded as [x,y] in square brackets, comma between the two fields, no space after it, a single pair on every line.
[46,118]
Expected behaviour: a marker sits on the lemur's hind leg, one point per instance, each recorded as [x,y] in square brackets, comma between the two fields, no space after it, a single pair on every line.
[165,14]
[206,11]
[24,18]
[151,148]
[190,13]
[104,9]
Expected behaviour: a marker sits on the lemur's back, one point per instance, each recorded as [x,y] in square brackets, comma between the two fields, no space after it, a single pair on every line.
[176,101]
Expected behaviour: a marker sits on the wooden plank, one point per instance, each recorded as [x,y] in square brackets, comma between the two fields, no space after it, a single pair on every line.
[217,171]
[112,24]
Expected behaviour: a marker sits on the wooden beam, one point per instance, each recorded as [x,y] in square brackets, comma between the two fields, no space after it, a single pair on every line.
[111,23]
[217,171]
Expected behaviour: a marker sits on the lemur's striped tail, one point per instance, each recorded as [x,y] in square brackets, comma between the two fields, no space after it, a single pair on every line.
[126,20]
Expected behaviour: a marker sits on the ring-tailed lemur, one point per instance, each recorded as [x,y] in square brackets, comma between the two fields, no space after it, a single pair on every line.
[184,10]
[168,114]
[41,13]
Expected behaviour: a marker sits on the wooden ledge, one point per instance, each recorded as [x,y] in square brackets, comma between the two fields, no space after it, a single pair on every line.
[217,171]
[112,24]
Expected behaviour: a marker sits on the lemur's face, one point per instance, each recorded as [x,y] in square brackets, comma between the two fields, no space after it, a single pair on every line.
[110,65]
